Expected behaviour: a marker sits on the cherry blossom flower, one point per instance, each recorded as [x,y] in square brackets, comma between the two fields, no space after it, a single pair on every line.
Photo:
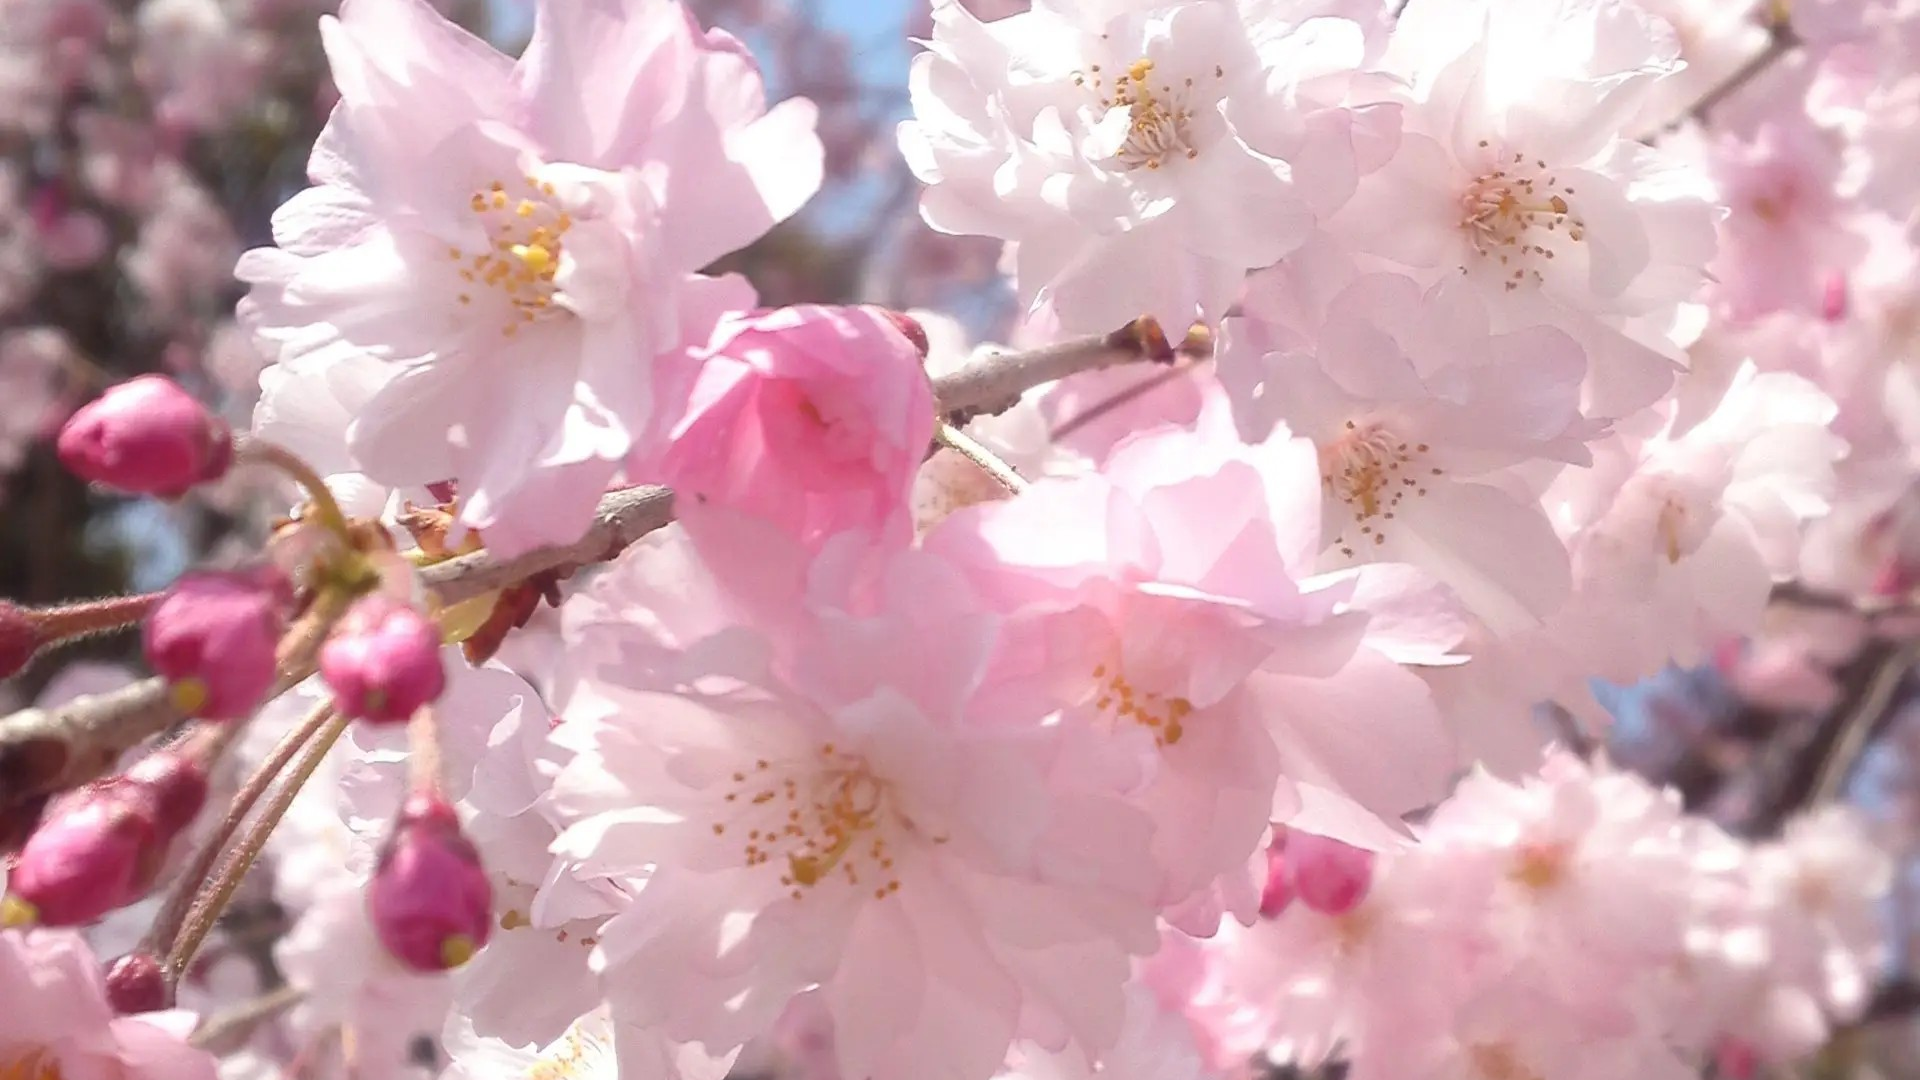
[815,418]
[521,260]
[1207,660]
[837,819]
[1420,415]
[1516,171]
[57,1021]
[1097,138]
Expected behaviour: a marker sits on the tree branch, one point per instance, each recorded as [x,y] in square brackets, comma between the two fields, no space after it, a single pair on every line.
[46,751]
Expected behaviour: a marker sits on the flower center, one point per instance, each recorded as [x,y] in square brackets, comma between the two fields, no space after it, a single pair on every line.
[1538,866]
[1162,715]
[1371,471]
[1160,118]
[826,819]
[1498,1061]
[577,1053]
[526,231]
[33,1063]
[1518,214]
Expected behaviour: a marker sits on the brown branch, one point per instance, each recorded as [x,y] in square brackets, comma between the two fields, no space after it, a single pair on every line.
[47,751]
[1781,42]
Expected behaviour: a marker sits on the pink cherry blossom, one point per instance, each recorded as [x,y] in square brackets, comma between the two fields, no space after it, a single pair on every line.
[842,824]
[56,1020]
[1206,660]
[1421,417]
[1516,170]
[1099,139]
[815,418]
[521,257]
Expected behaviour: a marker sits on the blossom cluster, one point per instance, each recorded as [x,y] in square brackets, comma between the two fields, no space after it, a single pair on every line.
[653,683]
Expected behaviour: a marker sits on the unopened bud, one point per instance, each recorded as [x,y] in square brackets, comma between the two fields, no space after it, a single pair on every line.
[430,902]
[1329,876]
[19,638]
[214,637]
[911,327]
[96,850]
[176,784]
[1833,299]
[136,984]
[147,436]
[383,661]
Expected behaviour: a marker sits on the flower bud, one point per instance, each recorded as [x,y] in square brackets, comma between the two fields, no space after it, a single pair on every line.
[383,661]
[135,984]
[213,637]
[148,436]
[175,783]
[429,900]
[1329,876]
[19,638]
[96,850]
[1277,894]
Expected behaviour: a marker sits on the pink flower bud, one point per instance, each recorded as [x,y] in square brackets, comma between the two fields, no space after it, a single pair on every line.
[1833,300]
[1277,895]
[146,435]
[97,850]
[430,902]
[19,638]
[1331,877]
[213,637]
[176,784]
[135,984]
[383,661]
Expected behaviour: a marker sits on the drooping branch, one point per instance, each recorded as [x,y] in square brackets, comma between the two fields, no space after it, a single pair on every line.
[47,751]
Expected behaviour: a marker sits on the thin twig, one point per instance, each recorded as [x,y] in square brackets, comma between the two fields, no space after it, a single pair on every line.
[1857,728]
[224,1031]
[993,382]
[624,517]
[43,751]
[1121,397]
[196,875]
[1781,42]
[326,508]
[212,902]
[989,462]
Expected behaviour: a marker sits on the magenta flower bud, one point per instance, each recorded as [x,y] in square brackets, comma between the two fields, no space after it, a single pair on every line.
[96,850]
[1277,894]
[135,984]
[383,661]
[1330,877]
[213,636]
[175,783]
[429,900]
[148,436]
[19,638]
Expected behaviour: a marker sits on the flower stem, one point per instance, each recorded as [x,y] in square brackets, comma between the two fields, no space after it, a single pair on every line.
[963,444]
[325,507]
[166,925]
[208,907]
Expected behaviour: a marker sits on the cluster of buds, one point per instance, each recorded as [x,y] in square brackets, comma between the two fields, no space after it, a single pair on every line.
[100,847]
[1326,875]
[220,639]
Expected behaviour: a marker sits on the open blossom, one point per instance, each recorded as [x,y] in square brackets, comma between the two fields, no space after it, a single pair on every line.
[55,1020]
[815,418]
[839,820]
[1677,538]
[519,241]
[1516,171]
[1213,663]
[1418,413]
[1096,137]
